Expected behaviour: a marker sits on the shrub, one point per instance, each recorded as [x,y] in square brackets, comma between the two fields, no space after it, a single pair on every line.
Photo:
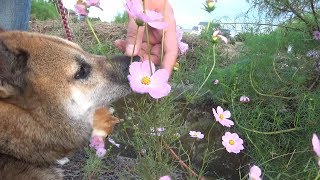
[43,10]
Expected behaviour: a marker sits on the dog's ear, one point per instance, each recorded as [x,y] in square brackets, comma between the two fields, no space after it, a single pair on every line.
[1,30]
[13,66]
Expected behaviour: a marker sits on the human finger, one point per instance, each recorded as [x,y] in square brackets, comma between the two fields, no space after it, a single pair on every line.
[155,54]
[134,38]
[120,44]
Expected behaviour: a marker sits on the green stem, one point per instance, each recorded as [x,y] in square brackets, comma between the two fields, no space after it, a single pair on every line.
[318,176]
[162,48]
[148,39]
[148,47]
[93,32]
[211,70]
[134,45]
[269,133]
[99,43]
[208,27]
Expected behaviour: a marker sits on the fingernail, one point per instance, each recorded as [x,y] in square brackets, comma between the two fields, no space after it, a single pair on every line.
[129,49]
[117,41]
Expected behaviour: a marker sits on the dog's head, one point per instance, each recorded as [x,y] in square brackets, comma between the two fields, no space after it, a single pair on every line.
[40,71]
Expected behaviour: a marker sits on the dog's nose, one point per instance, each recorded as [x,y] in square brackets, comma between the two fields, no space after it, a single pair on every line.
[136,59]
[121,65]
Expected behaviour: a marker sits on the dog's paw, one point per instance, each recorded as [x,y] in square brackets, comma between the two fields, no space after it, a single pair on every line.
[103,122]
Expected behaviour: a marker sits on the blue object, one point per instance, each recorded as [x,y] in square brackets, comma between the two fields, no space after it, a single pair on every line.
[15,14]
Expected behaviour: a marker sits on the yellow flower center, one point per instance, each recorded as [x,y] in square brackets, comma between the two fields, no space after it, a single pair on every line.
[146,80]
[221,116]
[231,142]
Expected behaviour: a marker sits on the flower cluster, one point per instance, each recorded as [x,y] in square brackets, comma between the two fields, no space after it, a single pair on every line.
[145,80]
[97,143]
[316,146]
[135,10]
[231,141]
[316,35]
[157,132]
[313,54]
[82,6]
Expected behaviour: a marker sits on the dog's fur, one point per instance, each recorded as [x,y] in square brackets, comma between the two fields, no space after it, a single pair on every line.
[49,91]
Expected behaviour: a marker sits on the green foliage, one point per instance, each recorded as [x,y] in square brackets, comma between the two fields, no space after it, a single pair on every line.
[304,11]
[93,166]
[121,18]
[43,10]
[276,125]
[280,119]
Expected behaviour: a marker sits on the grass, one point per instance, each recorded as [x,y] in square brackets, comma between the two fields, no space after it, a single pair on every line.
[276,125]
[43,10]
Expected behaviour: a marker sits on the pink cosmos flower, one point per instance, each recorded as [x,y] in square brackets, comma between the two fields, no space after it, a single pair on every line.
[81,9]
[93,3]
[316,144]
[222,117]
[182,46]
[216,82]
[244,99]
[165,178]
[135,10]
[101,152]
[316,35]
[217,34]
[96,142]
[143,81]
[255,173]
[196,134]
[232,142]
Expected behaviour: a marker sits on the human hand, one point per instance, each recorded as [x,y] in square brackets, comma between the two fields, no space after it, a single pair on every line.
[155,37]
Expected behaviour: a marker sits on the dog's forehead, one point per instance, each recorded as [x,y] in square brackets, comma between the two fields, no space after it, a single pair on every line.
[30,40]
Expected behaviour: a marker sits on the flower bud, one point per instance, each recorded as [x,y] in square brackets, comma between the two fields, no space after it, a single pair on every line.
[176,66]
[209,6]
[139,22]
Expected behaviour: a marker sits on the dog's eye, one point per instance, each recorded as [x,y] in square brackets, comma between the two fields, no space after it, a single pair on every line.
[83,71]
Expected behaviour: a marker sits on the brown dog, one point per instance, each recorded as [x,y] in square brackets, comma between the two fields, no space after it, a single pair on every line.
[49,92]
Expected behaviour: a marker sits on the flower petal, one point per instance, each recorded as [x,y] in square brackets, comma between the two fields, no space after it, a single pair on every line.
[215,33]
[219,110]
[160,76]
[255,171]
[145,67]
[158,24]
[159,92]
[135,69]
[136,85]
[224,39]
[226,114]
[153,15]
[316,144]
